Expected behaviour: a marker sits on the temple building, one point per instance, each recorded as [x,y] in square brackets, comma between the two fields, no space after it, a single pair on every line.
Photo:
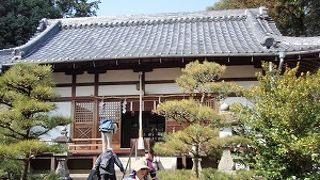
[100,65]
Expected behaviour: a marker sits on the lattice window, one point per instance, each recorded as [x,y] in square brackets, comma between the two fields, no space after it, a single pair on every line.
[83,132]
[110,110]
[83,119]
[84,112]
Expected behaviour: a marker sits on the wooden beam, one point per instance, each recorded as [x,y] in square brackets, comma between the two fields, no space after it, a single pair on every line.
[96,84]
[146,82]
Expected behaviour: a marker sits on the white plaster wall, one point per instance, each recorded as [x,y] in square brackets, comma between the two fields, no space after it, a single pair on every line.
[61,77]
[63,109]
[168,88]
[168,163]
[163,74]
[240,71]
[85,91]
[85,78]
[64,91]
[117,90]
[119,75]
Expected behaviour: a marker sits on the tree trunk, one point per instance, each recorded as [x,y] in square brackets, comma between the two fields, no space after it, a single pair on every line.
[25,170]
[196,159]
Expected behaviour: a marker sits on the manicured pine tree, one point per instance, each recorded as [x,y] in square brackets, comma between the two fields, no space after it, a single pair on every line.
[26,92]
[201,137]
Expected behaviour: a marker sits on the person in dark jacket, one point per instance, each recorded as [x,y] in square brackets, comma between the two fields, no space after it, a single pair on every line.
[104,165]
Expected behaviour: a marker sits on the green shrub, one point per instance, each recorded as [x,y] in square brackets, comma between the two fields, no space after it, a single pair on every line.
[51,176]
[45,175]
[246,175]
[206,174]
[210,173]
[176,175]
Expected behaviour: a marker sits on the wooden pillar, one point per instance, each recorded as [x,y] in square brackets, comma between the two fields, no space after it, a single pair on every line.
[96,84]
[73,104]
[96,111]
[73,86]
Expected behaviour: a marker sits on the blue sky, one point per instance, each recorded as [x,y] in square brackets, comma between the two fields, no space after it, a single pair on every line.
[132,7]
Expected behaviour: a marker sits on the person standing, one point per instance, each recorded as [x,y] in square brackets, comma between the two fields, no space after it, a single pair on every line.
[104,165]
[149,162]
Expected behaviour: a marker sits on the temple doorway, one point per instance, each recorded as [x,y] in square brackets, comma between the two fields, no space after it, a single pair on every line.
[153,126]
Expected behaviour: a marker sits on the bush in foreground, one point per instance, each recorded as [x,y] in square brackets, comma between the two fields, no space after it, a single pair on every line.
[206,174]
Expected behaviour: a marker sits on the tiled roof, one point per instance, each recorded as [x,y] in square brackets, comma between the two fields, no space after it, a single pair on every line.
[227,33]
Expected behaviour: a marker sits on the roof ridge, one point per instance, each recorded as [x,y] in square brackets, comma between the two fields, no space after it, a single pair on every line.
[154,17]
[155,21]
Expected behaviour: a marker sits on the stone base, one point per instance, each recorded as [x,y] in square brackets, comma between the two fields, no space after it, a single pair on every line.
[226,163]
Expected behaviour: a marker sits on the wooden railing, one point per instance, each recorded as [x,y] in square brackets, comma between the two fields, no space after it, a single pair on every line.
[92,146]
[85,146]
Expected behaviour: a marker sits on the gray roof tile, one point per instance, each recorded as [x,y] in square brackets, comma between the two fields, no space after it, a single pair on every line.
[215,33]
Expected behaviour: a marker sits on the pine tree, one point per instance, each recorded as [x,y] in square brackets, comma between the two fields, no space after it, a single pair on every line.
[201,137]
[26,92]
